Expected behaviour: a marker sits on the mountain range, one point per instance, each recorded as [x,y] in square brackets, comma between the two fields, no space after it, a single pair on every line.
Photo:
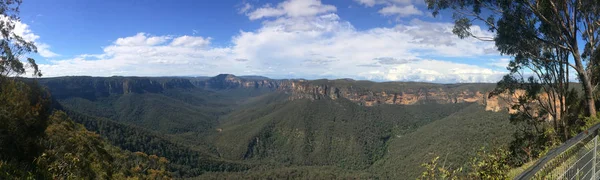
[231,126]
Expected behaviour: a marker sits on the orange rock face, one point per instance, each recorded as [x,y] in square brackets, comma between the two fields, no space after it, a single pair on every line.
[506,100]
[303,90]
[366,95]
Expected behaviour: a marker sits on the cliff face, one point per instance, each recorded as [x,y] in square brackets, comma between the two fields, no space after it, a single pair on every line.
[544,101]
[92,87]
[361,92]
[366,97]
[365,93]
[228,81]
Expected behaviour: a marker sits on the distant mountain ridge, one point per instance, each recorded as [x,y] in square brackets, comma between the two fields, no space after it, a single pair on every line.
[365,93]
[91,87]
[233,123]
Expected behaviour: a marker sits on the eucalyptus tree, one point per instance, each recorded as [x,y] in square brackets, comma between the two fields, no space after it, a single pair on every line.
[23,108]
[547,40]
[12,46]
[541,35]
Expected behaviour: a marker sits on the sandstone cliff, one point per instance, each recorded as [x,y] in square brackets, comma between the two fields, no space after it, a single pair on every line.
[400,95]
[365,93]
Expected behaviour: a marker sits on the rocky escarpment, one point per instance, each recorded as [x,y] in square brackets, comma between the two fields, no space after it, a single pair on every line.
[92,87]
[229,81]
[536,107]
[365,92]
[398,93]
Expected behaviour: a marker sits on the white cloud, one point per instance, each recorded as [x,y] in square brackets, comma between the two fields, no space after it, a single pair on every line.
[321,45]
[402,11]
[313,43]
[245,8]
[23,30]
[190,41]
[440,71]
[500,63]
[371,3]
[292,8]
[401,8]
[44,50]
[141,39]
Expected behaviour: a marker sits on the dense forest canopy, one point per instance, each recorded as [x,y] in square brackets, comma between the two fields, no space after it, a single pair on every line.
[253,127]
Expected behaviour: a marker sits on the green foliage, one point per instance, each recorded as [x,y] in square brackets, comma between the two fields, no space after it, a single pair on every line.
[54,147]
[184,161]
[159,112]
[490,164]
[321,132]
[536,134]
[258,133]
[590,121]
[485,165]
[456,138]
[434,171]
[539,36]
[293,172]
[140,122]
[13,46]
[72,152]
[23,113]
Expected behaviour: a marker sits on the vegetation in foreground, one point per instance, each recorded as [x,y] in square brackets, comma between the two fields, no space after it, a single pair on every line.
[46,144]
[546,40]
[254,136]
[40,142]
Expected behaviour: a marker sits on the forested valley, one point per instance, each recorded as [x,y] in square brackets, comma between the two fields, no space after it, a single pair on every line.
[234,127]
[254,127]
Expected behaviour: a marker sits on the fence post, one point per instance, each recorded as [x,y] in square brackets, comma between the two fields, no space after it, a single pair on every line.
[595,153]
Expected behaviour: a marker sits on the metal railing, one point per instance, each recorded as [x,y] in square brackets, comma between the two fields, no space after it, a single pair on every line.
[577,158]
[584,167]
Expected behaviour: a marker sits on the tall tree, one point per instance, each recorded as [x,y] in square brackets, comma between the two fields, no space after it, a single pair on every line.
[12,46]
[559,34]
[23,108]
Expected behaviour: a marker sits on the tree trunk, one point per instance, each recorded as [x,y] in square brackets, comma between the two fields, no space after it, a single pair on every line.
[584,77]
[588,91]
[589,96]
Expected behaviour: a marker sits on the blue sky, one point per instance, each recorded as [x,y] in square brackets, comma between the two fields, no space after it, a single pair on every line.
[381,40]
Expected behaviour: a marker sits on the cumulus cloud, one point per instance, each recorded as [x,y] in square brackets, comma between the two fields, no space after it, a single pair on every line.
[399,8]
[141,39]
[44,50]
[312,45]
[400,11]
[190,41]
[292,8]
[440,71]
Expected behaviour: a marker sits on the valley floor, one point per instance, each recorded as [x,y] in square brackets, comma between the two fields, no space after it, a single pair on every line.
[256,133]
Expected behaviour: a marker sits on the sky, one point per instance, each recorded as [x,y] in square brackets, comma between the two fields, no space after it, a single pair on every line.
[378,40]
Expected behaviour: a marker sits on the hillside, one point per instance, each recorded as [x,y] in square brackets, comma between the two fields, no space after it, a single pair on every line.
[321,132]
[455,138]
[222,126]
[44,143]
